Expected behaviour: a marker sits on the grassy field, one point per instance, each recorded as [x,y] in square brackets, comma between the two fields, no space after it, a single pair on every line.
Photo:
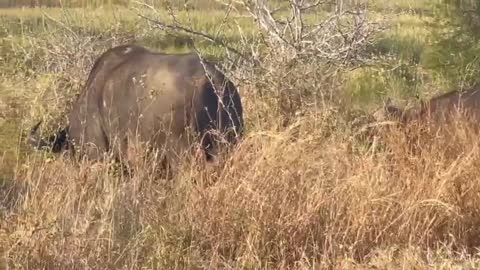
[300,192]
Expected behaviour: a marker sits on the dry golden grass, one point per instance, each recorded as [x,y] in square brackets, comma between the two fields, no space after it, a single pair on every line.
[292,199]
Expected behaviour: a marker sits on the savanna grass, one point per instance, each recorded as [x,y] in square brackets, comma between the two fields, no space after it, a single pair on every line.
[301,191]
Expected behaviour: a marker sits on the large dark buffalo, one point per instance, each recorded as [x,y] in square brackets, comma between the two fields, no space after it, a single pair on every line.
[158,98]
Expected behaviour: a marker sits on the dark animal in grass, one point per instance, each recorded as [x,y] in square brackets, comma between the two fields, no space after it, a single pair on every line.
[438,110]
[169,101]
[440,119]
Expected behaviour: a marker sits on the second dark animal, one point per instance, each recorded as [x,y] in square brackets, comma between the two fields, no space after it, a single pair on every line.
[438,110]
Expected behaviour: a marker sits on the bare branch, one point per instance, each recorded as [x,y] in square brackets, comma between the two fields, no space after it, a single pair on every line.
[177,27]
[314,5]
[162,25]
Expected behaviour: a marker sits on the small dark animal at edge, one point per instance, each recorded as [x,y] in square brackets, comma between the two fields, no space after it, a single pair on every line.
[438,110]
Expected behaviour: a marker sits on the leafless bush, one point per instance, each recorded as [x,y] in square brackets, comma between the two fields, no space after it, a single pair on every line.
[341,37]
[295,60]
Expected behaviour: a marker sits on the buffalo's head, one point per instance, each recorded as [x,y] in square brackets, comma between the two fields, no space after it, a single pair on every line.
[55,143]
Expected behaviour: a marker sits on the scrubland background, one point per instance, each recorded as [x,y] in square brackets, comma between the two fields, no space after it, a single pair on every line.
[300,192]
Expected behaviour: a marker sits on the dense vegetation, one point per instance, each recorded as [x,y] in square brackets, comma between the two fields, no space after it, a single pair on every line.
[300,192]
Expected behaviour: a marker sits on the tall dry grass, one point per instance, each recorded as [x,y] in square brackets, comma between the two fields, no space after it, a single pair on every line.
[296,199]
